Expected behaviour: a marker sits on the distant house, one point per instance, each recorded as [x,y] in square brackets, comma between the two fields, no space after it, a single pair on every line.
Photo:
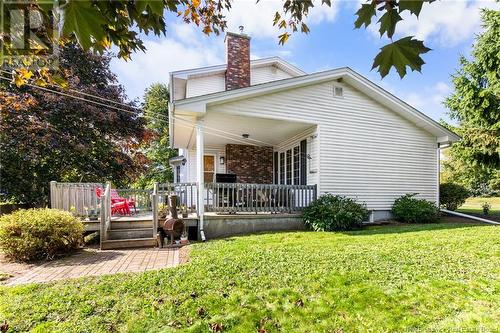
[267,122]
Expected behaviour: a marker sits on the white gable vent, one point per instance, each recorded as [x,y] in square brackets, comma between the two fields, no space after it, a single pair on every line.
[338,91]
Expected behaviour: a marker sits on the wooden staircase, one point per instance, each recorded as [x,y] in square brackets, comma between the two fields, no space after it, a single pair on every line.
[129,234]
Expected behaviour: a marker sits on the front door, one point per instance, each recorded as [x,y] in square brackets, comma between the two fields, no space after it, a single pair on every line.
[209,167]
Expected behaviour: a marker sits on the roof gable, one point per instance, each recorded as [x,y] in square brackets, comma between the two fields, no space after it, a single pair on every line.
[199,104]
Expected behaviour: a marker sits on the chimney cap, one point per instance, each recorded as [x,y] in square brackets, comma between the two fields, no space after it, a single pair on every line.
[235,34]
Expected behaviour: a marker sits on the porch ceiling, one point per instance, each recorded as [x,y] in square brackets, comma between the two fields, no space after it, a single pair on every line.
[222,128]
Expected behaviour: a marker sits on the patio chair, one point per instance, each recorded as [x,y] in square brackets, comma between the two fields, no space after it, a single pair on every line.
[117,206]
[115,197]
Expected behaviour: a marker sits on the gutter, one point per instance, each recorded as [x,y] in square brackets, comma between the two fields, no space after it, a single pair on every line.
[480,219]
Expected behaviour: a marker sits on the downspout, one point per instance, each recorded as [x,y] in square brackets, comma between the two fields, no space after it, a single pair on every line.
[470,217]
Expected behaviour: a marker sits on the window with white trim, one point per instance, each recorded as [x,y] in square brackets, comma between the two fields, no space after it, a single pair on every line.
[290,165]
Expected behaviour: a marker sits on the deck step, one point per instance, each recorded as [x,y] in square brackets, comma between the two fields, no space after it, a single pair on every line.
[131,224]
[128,243]
[130,233]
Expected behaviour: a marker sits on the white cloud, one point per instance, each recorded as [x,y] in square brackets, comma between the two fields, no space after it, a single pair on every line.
[188,49]
[430,99]
[257,18]
[447,22]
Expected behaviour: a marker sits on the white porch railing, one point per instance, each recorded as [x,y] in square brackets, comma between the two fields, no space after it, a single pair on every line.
[187,194]
[81,198]
[270,198]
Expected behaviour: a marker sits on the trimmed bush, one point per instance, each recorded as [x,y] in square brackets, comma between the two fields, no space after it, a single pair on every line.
[34,234]
[452,196]
[409,209]
[333,212]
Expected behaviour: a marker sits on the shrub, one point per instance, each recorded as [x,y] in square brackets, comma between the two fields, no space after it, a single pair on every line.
[409,209]
[333,212]
[39,234]
[486,208]
[452,196]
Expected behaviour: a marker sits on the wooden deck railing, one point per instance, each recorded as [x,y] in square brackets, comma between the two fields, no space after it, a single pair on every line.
[187,194]
[271,198]
[79,198]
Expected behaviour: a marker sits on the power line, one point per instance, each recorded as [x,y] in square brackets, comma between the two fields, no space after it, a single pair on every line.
[76,97]
[87,94]
[158,117]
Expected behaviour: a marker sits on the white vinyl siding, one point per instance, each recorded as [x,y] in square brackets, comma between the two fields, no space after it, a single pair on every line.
[205,85]
[265,74]
[366,151]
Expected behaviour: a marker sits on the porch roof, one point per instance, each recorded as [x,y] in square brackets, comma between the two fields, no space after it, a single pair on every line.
[221,129]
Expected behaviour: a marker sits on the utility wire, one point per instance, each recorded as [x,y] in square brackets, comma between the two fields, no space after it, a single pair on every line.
[158,117]
[86,94]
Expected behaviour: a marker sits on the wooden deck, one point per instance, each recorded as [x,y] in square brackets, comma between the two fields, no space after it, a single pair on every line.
[93,225]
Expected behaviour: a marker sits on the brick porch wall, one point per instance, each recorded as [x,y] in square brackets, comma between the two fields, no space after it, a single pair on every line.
[251,164]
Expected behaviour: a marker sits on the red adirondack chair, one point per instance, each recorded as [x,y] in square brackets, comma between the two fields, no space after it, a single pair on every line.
[115,197]
[118,204]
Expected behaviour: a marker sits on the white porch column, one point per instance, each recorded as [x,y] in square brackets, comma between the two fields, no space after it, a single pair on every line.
[200,174]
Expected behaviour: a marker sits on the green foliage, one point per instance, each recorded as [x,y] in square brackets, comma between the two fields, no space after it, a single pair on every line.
[405,52]
[452,195]
[372,280]
[157,147]
[66,139]
[100,25]
[365,14]
[409,209]
[333,212]
[35,234]
[388,22]
[400,54]
[475,105]
[486,206]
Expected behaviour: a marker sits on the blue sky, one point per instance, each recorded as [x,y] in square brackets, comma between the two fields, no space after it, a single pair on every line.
[448,27]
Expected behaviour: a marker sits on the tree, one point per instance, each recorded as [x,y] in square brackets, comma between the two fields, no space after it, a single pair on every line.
[45,136]
[475,105]
[157,148]
[98,25]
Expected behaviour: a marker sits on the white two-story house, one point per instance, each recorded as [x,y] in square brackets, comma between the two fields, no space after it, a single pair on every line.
[266,122]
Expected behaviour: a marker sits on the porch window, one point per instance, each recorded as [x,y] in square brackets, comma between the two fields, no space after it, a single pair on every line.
[282,168]
[275,167]
[290,166]
[296,165]
[178,174]
[303,162]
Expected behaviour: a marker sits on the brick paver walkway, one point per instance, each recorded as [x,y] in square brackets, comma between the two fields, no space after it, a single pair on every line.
[93,263]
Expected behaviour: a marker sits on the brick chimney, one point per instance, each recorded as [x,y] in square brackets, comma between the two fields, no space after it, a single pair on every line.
[238,61]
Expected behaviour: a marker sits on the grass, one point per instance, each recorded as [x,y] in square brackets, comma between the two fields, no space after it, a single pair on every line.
[473,205]
[441,277]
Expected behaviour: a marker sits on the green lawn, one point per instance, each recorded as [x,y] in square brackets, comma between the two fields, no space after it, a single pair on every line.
[473,205]
[442,277]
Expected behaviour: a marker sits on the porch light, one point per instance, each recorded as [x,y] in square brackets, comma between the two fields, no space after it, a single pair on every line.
[245,135]
[222,160]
